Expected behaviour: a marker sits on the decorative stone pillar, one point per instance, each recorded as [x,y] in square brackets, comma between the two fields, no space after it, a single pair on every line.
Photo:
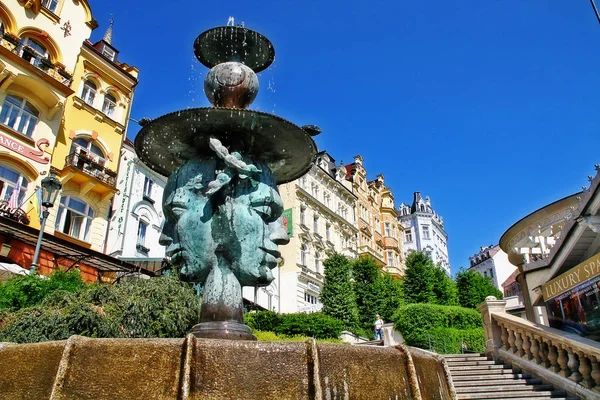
[493,333]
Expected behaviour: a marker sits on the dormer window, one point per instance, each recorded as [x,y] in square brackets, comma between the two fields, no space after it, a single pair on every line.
[109,53]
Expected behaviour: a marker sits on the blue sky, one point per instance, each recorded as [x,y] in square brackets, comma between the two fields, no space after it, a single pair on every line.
[490,108]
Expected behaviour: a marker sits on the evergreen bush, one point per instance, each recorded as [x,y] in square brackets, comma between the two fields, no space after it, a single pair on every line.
[265,321]
[420,324]
[455,341]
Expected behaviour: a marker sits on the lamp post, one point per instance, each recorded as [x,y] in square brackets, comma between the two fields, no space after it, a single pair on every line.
[50,188]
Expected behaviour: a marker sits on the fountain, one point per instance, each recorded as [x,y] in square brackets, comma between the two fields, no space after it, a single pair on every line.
[222,230]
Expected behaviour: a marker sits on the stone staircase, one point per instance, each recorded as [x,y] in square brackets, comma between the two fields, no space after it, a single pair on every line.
[476,377]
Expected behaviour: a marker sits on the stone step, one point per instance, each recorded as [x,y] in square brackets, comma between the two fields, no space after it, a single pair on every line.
[484,397]
[481,372]
[464,355]
[371,343]
[505,388]
[485,377]
[473,363]
[513,395]
[459,359]
[496,382]
[476,367]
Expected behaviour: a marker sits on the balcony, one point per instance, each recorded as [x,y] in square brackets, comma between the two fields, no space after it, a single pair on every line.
[10,44]
[80,167]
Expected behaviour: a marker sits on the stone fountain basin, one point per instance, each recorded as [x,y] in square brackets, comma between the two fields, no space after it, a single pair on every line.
[190,368]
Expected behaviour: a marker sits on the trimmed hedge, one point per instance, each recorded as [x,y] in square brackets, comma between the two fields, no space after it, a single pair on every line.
[273,337]
[316,325]
[429,326]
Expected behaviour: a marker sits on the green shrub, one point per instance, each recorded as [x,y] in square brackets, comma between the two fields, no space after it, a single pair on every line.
[451,341]
[273,337]
[419,323]
[31,290]
[265,321]
[158,307]
[317,325]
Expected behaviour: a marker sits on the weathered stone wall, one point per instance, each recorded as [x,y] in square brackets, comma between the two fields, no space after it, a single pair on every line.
[83,368]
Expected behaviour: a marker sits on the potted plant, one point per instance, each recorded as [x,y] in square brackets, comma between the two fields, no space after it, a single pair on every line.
[63,72]
[28,52]
[97,165]
[10,38]
[45,63]
[110,172]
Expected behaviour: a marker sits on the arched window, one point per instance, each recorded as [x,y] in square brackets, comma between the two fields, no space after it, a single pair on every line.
[10,180]
[89,92]
[110,105]
[74,218]
[89,148]
[19,114]
[33,52]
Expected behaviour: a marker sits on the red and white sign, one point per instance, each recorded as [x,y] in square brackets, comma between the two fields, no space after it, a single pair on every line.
[32,154]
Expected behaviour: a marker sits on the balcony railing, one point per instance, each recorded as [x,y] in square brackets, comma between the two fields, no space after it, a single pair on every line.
[566,360]
[35,59]
[92,168]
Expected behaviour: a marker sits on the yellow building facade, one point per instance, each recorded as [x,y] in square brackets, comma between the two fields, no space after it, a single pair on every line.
[64,107]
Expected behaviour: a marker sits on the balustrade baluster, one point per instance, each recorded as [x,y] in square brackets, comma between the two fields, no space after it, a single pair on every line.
[586,370]
[526,346]
[519,343]
[596,373]
[511,341]
[545,354]
[536,350]
[563,361]
[504,337]
[574,366]
[553,358]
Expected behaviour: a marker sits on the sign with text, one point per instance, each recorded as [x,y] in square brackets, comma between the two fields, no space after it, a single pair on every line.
[574,277]
[286,217]
[32,154]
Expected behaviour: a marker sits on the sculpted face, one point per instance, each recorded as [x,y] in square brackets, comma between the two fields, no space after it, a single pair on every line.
[236,226]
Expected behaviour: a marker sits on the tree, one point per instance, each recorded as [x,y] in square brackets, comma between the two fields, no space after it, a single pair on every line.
[473,288]
[417,285]
[389,296]
[338,296]
[366,276]
[444,288]
[424,282]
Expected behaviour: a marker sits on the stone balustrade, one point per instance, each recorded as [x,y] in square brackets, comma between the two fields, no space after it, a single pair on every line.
[566,360]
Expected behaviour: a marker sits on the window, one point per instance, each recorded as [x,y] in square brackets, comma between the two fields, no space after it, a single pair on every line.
[303,254]
[388,229]
[9,181]
[377,225]
[315,191]
[491,273]
[81,145]
[141,234]
[148,187]
[408,235]
[74,218]
[328,232]
[345,242]
[33,52]
[327,200]
[109,105]
[390,259]
[108,53]
[316,224]
[50,4]
[19,114]
[310,299]
[302,216]
[303,182]
[89,92]
[426,234]
[317,263]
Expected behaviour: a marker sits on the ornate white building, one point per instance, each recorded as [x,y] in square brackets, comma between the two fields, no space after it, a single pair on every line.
[493,262]
[424,231]
[320,216]
[137,219]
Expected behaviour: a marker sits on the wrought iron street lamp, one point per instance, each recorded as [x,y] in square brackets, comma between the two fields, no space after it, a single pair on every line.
[50,188]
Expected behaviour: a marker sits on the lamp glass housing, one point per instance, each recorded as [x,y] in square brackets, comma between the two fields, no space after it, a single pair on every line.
[50,188]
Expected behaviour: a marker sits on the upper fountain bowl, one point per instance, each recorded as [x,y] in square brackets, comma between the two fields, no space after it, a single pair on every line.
[234,43]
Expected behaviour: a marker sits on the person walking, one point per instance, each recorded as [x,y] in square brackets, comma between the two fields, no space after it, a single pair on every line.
[378,328]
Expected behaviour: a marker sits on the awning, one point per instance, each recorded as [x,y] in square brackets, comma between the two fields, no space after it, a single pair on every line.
[7,271]
[66,249]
